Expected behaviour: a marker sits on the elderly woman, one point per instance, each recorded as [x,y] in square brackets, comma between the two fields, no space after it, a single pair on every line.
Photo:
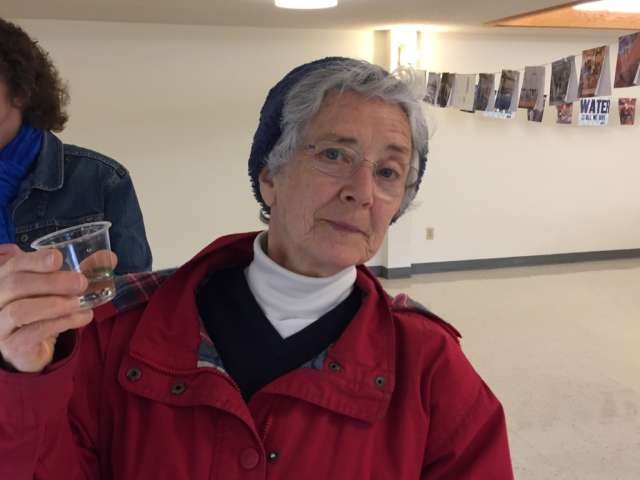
[272,355]
[46,185]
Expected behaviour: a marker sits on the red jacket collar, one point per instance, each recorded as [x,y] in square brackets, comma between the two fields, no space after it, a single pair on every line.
[168,336]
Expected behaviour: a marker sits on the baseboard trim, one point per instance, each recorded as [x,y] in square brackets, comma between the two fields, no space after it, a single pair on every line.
[505,262]
[391,273]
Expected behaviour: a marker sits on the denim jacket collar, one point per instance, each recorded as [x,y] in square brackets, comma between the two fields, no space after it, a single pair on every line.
[48,173]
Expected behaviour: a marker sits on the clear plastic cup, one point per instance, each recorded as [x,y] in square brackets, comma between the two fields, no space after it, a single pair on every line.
[86,249]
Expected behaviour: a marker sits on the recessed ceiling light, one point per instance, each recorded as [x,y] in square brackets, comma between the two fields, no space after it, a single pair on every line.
[618,6]
[306,4]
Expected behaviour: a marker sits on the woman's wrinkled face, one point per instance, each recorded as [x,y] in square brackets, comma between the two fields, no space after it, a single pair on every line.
[321,224]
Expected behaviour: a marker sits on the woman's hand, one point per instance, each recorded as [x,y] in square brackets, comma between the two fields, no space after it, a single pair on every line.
[37,303]
[8,250]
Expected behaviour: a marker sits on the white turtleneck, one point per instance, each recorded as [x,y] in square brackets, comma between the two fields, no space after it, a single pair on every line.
[291,301]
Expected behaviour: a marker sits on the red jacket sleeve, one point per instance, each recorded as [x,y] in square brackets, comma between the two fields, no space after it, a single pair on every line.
[467,433]
[38,438]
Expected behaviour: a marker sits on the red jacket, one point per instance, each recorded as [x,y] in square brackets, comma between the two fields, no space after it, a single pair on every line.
[142,396]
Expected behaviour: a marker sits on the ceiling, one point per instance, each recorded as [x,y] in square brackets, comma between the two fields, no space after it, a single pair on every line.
[350,14]
[568,17]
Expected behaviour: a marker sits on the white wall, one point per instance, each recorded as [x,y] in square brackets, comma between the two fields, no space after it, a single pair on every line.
[178,106]
[512,188]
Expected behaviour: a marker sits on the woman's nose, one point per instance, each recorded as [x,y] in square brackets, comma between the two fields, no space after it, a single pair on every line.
[360,186]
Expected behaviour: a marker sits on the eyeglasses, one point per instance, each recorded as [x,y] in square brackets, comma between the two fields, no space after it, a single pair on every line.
[392,175]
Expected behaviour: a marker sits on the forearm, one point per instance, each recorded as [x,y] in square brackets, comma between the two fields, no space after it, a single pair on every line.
[36,438]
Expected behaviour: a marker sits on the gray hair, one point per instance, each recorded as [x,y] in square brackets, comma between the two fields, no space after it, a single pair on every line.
[305,98]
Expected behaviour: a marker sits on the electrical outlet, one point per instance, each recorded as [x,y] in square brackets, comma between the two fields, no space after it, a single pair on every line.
[430,233]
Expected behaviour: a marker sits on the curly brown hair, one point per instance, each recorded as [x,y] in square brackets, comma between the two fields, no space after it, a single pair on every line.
[32,79]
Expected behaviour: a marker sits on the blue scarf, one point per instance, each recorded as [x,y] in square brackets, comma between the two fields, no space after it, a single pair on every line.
[15,160]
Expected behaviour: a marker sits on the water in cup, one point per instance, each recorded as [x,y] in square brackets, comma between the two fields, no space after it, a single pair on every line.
[102,286]
[86,249]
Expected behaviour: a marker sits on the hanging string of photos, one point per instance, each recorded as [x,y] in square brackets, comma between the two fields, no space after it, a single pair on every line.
[478,93]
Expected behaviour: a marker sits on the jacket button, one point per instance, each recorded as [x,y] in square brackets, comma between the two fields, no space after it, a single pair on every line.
[178,388]
[24,238]
[272,457]
[249,458]
[134,374]
[334,366]
[379,381]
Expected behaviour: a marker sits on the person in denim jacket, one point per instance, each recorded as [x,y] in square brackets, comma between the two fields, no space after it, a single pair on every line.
[46,185]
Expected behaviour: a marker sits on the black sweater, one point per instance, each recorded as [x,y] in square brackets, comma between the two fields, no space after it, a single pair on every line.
[252,351]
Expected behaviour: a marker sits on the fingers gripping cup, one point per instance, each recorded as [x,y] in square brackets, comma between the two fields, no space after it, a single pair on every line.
[86,249]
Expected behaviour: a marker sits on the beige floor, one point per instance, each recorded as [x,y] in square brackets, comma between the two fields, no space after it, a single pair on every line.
[560,346]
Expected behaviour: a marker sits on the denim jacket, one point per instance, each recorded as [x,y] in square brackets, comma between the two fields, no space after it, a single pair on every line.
[69,185]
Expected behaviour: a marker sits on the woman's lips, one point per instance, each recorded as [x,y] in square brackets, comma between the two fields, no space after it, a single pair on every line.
[344,227]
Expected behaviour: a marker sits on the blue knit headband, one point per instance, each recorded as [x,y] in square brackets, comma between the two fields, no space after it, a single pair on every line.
[270,126]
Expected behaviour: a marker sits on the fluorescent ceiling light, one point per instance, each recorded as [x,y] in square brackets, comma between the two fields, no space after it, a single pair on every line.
[306,4]
[617,6]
